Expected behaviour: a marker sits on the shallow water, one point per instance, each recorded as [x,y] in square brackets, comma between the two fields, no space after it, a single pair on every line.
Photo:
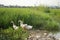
[57,35]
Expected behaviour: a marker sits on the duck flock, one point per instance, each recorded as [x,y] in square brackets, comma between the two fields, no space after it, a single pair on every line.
[22,25]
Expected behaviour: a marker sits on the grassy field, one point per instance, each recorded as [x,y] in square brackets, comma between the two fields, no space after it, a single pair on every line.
[39,18]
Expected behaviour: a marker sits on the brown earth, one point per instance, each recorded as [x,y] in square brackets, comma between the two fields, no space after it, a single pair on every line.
[40,35]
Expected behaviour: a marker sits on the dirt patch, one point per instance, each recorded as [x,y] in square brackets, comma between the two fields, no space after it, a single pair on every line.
[40,35]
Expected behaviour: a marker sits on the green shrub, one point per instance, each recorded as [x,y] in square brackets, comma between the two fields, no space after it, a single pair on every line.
[52,26]
[10,34]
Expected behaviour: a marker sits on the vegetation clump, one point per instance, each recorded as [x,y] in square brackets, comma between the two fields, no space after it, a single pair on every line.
[10,34]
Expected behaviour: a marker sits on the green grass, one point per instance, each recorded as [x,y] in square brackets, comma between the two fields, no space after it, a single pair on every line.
[10,34]
[40,17]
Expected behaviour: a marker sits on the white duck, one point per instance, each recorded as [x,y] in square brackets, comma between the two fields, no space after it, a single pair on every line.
[29,27]
[14,26]
[25,25]
[21,24]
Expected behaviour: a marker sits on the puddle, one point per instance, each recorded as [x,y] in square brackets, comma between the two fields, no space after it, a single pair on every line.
[57,35]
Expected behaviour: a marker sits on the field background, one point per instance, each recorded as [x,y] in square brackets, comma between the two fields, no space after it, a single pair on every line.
[39,17]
